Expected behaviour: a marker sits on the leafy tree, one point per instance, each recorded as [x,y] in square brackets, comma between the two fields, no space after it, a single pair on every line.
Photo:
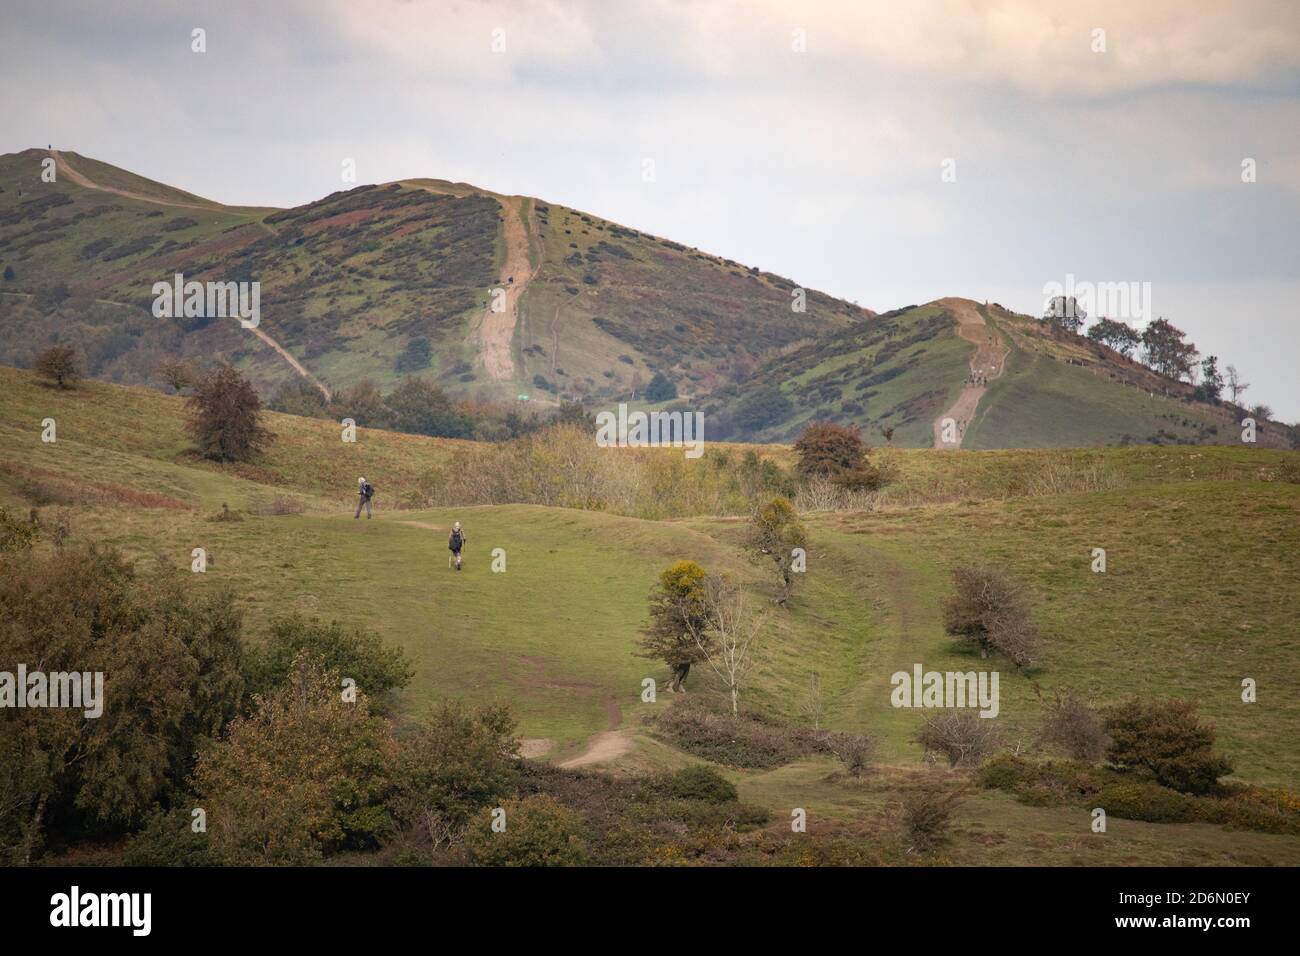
[226,416]
[1210,388]
[660,389]
[774,534]
[678,613]
[417,355]
[837,453]
[170,660]
[301,777]
[538,832]
[1065,313]
[297,396]
[419,407]
[762,408]
[1120,336]
[354,652]
[176,374]
[989,609]
[60,365]
[1165,738]
[364,404]
[459,761]
[1165,349]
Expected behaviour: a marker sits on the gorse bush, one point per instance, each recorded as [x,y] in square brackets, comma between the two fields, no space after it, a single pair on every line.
[1166,739]
[352,652]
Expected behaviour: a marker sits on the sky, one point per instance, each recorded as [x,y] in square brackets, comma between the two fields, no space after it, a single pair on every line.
[886,152]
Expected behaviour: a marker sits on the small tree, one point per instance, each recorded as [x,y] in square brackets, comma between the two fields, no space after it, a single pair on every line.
[1166,350]
[1235,384]
[177,374]
[989,609]
[59,365]
[1165,738]
[1261,412]
[927,815]
[963,736]
[774,534]
[660,389]
[1119,336]
[225,416]
[678,613]
[1075,727]
[837,453]
[1210,388]
[727,638]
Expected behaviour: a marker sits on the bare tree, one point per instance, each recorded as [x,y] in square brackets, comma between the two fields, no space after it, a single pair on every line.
[1235,385]
[727,635]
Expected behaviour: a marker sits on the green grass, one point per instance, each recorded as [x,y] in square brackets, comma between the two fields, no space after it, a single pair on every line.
[1202,545]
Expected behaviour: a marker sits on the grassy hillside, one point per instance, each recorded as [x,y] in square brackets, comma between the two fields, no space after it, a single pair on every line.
[1199,593]
[348,281]
[903,369]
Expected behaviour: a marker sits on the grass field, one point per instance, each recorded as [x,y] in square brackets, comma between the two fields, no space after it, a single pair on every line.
[1203,555]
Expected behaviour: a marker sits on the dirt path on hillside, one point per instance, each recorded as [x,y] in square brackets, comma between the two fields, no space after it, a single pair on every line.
[64,167]
[497,330]
[605,746]
[986,364]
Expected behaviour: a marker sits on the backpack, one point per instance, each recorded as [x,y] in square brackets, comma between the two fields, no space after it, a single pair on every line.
[457,540]
[367,491]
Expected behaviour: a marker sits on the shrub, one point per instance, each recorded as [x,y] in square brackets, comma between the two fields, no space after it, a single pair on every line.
[853,750]
[457,763]
[1076,728]
[1165,738]
[60,365]
[225,416]
[168,839]
[701,783]
[538,832]
[1148,802]
[660,389]
[960,735]
[989,609]
[745,740]
[927,816]
[354,652]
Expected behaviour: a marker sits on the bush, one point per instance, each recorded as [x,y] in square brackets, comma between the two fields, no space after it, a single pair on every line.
[59,365]
[960,735]
[456,764]
[989,609]
[225,416]
[1148,802]
[927,816]
[354,652]
[538,832]
[168,839]
[853,750]
[745,741]
[1165,738]
[1076,728]
[701,783]
[660,389]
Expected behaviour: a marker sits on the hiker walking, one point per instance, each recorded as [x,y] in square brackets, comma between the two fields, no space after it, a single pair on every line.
[365,491]
[455,541]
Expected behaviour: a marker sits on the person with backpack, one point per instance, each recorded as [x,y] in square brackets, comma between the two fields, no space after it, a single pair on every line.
[365,491]
[455,541]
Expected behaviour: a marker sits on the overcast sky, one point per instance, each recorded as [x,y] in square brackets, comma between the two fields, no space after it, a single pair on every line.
[811,139]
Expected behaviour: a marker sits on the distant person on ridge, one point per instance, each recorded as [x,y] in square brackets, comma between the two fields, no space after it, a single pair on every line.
[455,541]
[365,491]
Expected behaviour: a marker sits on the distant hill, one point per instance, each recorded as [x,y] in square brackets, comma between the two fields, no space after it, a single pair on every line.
[908,369]
[589,309]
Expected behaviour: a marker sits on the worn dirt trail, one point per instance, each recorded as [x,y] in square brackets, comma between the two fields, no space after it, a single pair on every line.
[66,169]
[987,363]
[497,330]
[605,746]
